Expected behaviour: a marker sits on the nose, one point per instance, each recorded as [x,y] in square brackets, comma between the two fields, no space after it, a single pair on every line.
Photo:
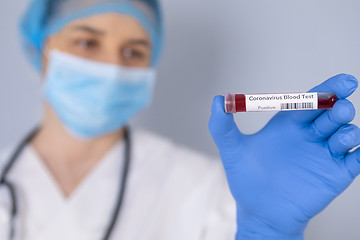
[111,56]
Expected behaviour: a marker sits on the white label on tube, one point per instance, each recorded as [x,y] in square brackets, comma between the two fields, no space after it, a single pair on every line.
[281,102]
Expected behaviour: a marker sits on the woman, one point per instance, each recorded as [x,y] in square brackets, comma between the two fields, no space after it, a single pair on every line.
[84,175]
[97,60]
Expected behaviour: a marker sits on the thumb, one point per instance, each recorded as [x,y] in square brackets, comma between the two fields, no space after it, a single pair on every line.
[223,129]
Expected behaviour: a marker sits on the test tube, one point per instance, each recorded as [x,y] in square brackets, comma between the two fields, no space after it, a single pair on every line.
[279,102]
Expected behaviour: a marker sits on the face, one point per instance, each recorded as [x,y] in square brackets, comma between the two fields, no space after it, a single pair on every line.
[108,38]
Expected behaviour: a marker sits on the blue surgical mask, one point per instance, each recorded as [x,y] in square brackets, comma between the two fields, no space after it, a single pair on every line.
[92,98]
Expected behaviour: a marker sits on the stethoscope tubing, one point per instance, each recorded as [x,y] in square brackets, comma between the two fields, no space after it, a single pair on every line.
[12,191]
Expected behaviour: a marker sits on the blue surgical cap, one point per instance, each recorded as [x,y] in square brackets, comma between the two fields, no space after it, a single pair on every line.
[46,17]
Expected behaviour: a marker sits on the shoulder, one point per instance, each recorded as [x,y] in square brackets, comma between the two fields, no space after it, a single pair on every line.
[180,166]
[5,153]
[166,151]
[193,174]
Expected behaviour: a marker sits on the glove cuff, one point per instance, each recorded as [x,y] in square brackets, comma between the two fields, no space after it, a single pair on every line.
[252,228]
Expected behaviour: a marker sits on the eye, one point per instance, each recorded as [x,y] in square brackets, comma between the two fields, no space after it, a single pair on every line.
[134,54]
[87,44]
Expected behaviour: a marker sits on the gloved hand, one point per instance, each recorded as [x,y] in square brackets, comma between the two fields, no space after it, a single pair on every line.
[293,168]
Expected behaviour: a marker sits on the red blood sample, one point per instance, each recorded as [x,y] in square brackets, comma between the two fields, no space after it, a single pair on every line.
[326,100]
[237,102]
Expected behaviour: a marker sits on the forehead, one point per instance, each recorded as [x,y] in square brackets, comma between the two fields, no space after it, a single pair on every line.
[111,24]
[66,8]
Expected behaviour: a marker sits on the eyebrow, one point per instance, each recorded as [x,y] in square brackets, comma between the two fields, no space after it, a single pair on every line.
[143,42]
[88,29]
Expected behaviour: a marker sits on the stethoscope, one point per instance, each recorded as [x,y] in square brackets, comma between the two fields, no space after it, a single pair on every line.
[14,207]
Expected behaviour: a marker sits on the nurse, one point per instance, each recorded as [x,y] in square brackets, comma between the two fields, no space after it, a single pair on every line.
[83,174]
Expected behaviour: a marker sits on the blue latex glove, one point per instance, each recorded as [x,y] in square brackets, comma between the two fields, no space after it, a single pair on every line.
[293,168]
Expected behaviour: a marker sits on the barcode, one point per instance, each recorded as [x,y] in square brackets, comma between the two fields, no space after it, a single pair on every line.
[288,106]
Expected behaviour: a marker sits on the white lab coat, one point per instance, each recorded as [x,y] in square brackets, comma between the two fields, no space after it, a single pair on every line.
[173,193]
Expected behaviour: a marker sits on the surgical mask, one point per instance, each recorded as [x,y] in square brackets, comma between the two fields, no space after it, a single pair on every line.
[92,98]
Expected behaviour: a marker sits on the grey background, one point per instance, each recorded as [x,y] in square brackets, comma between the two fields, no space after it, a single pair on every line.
[215,47]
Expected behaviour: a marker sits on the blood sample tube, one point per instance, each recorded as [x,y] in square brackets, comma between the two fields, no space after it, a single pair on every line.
[279,102]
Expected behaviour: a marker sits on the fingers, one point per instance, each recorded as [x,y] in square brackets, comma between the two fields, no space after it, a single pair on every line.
[331,120]
[343,85]
[223,128]
[352,162]
[346,138]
